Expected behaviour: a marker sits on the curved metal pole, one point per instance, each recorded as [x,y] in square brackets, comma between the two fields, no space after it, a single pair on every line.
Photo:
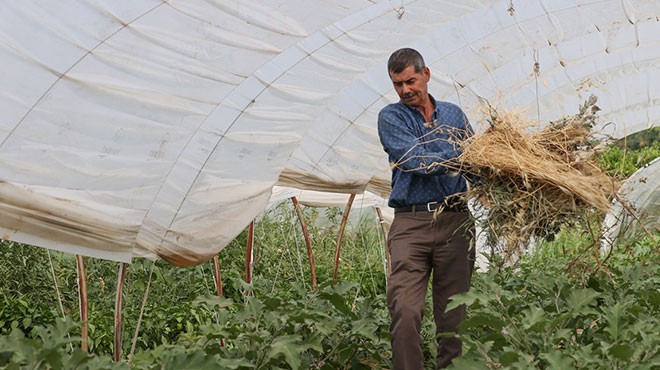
[218,278]
[248,253]
[308,243]
[84,306]
[381,220]
[344,219]
[120,288]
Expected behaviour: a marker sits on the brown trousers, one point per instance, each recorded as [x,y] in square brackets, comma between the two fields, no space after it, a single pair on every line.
[420,246]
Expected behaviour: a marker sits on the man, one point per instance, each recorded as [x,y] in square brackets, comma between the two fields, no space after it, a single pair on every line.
[432,230]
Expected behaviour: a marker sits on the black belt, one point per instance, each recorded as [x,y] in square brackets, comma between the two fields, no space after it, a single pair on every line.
[432,206]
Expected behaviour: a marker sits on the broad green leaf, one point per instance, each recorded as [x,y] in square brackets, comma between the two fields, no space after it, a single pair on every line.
[534,318]
[196,360]
[341,287]
[234,363]
[365,328]
[557,360]
[314,342]
[467,298]
[578,299]
[594,283]
[635,366]
[559,319]
[339,302]
[259,336]
[486,319]
[52,357]
[272,303]
[653,298]
[613,316]
[288,346]
[214,331]
[214,301]
[562,335]
[586,357]
[5,356]
[621,351]
[325,327]
[527,362]
[461,363]
[508,358]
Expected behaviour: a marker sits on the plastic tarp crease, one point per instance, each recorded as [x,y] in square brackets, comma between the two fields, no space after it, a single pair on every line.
[158,129]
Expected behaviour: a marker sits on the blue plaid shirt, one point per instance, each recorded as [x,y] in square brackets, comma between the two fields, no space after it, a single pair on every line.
[414,144]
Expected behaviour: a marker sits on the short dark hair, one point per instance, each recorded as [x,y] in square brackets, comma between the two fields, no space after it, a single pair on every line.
[403,58]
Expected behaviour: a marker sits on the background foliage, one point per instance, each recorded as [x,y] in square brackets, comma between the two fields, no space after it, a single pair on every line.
[625,156]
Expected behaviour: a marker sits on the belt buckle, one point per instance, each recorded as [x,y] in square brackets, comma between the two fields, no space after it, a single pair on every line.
[429,204]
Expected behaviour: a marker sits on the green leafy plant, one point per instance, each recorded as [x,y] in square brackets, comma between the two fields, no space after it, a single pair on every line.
[326,329]
[49,349]
[537,315]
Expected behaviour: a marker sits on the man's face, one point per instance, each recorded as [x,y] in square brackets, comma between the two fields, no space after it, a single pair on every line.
[411,86]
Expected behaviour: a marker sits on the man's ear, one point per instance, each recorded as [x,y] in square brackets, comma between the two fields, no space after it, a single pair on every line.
[427,73]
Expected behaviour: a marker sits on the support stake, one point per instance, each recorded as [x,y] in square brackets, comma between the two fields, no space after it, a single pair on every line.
[218,278]
[84,306]
[218,286]
[308,243]
[120,288]
[381,221]
[248,253]
[342,227]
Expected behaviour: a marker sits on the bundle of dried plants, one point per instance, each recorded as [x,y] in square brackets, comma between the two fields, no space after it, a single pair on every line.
[533,182]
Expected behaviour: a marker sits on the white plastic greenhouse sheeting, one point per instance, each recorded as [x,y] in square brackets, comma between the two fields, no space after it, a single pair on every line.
[158,128]
[320,199]
[642,192]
